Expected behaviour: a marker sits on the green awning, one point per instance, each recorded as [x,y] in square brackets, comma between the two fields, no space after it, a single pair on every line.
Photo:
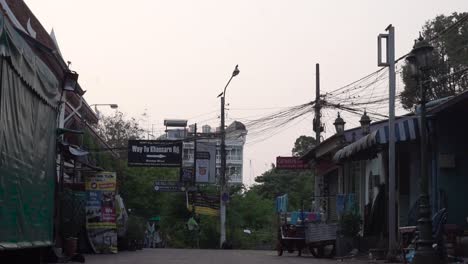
[29,98]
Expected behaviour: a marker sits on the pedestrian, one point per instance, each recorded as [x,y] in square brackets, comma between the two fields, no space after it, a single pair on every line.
[193,229]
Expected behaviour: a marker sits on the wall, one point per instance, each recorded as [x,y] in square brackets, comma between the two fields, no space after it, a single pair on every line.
[452,138]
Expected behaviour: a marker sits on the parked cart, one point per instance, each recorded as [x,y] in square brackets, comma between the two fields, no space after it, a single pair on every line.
[291,236]
[298,230]
[320,238]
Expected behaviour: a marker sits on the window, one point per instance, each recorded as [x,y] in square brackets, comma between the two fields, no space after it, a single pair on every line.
[234,154]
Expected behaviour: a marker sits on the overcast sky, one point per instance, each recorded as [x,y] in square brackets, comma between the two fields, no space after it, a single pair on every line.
[172,58]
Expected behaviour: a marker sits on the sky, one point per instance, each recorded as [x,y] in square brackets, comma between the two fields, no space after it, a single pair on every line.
[170,59]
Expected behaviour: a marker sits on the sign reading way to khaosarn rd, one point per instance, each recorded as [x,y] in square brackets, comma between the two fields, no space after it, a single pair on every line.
[154,153]
[291,163]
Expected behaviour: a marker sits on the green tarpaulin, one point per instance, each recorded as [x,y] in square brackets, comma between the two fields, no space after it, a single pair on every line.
[29,98]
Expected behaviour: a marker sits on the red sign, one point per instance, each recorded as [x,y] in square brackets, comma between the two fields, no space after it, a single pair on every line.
[291,163]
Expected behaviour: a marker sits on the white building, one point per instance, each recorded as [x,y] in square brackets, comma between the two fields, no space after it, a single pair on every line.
[236,134]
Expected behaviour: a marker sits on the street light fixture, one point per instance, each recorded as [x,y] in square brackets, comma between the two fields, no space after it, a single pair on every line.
[224,196]
[113,106]
[365,123]
[70,80]
[339,125]
[420,61]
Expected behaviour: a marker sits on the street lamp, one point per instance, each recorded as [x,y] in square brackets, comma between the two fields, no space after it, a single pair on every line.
[339,125]
[365,123]
[420,61]
[224,196]
[70,80]
[113,106]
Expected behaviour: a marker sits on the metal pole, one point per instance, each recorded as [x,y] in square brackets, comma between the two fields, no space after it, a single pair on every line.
[316,127]
[317,104]
[424,252]
[222,212]
[391,145]
[194,154]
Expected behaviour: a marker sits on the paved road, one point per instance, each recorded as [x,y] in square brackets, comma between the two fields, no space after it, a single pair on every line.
[193,256]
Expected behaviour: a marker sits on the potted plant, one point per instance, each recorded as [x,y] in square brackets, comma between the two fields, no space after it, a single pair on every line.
[348,233]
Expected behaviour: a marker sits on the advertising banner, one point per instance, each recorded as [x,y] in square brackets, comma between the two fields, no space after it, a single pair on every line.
[101,212]
[205,164]
[204,204]
[291,163]
[154,153]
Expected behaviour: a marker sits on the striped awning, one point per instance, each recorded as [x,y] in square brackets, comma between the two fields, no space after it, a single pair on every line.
[406,129]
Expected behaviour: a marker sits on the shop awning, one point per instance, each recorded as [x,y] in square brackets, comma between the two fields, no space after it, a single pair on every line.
[406,129]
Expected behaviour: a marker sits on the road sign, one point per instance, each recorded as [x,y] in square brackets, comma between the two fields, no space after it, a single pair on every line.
[169,186]
[154,153]
[291,163]
[225,197]
[186,174]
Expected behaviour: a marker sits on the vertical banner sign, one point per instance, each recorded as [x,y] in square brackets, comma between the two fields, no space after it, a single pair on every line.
[202,165]
[206,162]
[101,212]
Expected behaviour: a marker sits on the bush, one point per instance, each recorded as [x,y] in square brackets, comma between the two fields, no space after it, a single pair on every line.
[350,224]
[135,232]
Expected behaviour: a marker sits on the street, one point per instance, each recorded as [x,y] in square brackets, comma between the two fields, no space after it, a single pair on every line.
[194,256]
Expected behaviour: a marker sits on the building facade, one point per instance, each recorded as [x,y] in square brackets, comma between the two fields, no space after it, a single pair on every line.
[235,139]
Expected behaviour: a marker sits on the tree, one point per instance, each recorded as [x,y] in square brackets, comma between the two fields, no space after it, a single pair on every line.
[116,130]
[448,75]
[302,145]
[297,184]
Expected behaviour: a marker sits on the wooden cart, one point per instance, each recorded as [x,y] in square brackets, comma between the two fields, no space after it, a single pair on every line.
[291,237]
[320,238]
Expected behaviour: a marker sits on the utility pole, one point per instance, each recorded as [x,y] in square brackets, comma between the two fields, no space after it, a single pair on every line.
[317,127]
[194,154]
[223,178]
[317,124]
[390,62]
[224,196]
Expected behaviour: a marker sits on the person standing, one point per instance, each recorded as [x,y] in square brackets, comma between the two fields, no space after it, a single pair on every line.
[193,228]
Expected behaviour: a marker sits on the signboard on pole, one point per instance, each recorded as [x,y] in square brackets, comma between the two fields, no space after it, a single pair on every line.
[101,212]
[186,174]
[202,203]
[291,163]
[169,186]
[205,164]
[154,153]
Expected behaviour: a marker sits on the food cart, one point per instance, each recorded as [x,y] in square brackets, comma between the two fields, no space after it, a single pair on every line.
[298,230]
[291,234]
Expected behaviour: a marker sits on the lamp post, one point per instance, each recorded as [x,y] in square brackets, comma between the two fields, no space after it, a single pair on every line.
[419,61]
[365,123]
[223,181]
[339,125]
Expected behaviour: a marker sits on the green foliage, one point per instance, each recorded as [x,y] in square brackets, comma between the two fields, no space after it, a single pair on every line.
[299,186]
[136,228]
[350,224]
[450,56]
[249,210]
[302,145]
